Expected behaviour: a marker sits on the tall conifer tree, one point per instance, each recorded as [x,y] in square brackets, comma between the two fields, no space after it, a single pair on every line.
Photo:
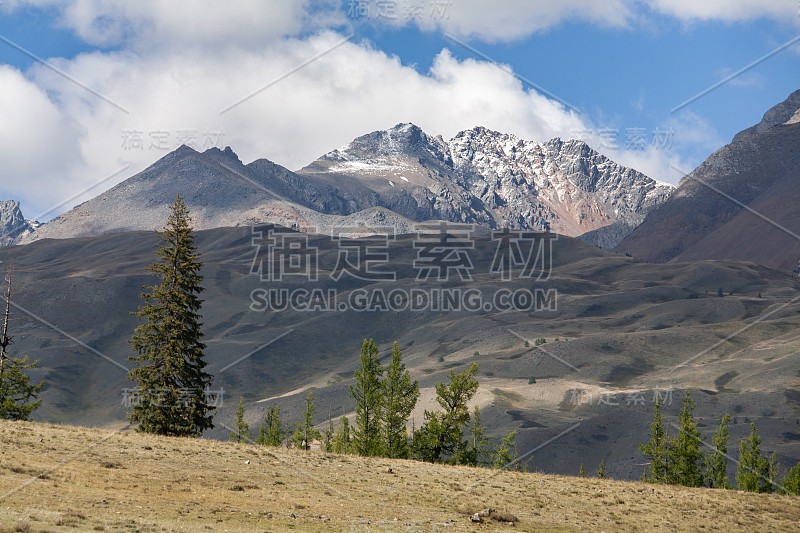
[791,482]
[685,468]
[272,433]
[367,393]
[342,440]
[306,433]
[657,449]
[241,431]
[399,398]
[755,472]
[440,437]
[717,461]
[171,383]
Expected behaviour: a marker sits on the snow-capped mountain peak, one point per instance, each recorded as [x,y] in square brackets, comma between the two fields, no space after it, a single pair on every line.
[499,179]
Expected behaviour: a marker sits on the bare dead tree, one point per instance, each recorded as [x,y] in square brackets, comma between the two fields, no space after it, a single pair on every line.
[5,340]
[18,398]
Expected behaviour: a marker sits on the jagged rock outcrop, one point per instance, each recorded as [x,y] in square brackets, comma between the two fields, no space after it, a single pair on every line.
[402,169]
[561,186]
[494,179]
[12,223]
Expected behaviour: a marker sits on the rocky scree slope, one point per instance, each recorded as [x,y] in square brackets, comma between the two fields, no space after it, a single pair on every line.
[741,203]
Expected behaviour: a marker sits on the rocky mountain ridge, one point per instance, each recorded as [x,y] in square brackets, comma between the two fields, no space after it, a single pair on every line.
[577,190]
[495,179]
[739,204]
[392,177]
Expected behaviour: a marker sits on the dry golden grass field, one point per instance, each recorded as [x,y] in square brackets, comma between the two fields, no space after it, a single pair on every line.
[62,478]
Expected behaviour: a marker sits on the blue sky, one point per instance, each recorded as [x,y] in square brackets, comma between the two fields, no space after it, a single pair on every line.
[633,77]
[124,84]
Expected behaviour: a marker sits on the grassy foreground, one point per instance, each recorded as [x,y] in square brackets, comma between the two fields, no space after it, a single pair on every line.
[62,478]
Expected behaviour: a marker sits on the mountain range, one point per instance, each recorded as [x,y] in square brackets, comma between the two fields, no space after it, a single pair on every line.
[391,178]
[738,204]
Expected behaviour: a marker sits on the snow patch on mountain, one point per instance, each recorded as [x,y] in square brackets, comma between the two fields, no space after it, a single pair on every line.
[362,167]
[497,179]
[794,118]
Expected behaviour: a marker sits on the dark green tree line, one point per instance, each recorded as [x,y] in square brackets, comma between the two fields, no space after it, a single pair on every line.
[680,461]
[384,399]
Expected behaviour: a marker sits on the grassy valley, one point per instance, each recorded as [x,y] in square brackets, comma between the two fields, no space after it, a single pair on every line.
[622,332]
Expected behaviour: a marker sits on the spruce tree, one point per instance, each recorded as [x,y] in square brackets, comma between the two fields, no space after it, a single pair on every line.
[327,437]
[791,483]
[717,461]
[479,451]
[601,473]
[272,433]
[755,473]
[342,441]
[771,470]
[18,398]
[306,433]
[367,394]
[400,395]
[506,454]
[685,467]
[441,436]
[657,449]
[171,382]
[241,432]
[581,471]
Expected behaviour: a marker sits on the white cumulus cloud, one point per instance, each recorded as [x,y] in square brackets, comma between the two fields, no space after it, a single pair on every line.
[350,91]
[173,66]
[39,144]
[510,20]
